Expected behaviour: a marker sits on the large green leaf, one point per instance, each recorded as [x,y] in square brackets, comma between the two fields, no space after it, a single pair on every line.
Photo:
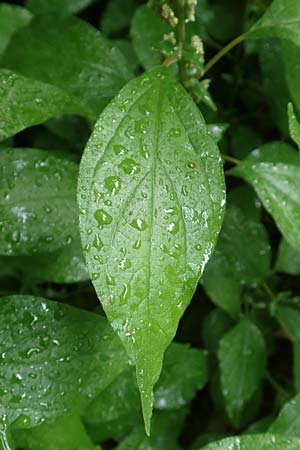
[256,442]
[58,6]
[55,359]
[25,102]
[65,433]
[242,358]
[12,17]
[151,197]
[70,54]
[288,420]
[234,262]
[281,20]
[38,201]
[274,172]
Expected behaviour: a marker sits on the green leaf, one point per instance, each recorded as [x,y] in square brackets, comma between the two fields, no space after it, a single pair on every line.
[256,442]
[289,319]
[151,196]
[274,83]
[281,20]
[65,433]
[66,265]
[55,359]
[288,420]
[126,48]
[58,6]
[12,17]
[243,140]
[242,359]
[246,200]
[274,173]
[117,16]
[165,430]
[38,201]
[294,125]
[68,53]
[147,31]
[25,102]
[120,401]
[288,259]
[214,326]
[234,262]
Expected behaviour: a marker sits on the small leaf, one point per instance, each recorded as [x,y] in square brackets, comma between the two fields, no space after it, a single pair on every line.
[217,130]
[57,6]
[274,173]
[288,259]
[294,125]
[38,201]
[117,16]
[25,102]
[55,359]
[289,319]
[256,442]
[214,326]
[151,192]
[288,420]
[234,263]
[65,433]
[281,20]
[242,359]
[12,17]
[70,54]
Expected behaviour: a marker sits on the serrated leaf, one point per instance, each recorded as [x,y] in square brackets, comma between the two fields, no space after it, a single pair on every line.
[68,53]
[281,20]
[288,259]
[234,263]
[256,442]
[12,17]
[288,420]
[242,359]
[55,359]
[294,125]
[151,196]
[25,102]
[58,6]
[38,201]
[65,433]
[274,173]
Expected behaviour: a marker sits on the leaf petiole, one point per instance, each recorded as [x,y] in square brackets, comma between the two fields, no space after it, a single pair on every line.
[223,52]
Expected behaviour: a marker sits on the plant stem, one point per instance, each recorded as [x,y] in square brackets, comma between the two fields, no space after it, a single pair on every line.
[181,36]
[296,366]
[268,290]
[231,159]
[276,385]
[223,52]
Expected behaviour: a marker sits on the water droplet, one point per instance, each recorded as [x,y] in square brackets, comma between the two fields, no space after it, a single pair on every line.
[129,166]
[112,184]
[102,217]
[139,224]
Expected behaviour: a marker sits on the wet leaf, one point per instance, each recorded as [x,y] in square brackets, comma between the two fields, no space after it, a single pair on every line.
[65,433]
[288,420]
[234,262]
[38,201]
[281,20]
[70,54]
[242,359]
[25,102]
[274,173]
[55,359]
[256,442]
[151,198]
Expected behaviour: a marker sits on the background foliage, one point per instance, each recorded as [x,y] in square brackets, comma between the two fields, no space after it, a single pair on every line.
[118,87]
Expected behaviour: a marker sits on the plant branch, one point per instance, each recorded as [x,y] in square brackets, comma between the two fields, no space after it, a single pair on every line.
[277,386]
[181,36]
[223,52]
[231,159]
